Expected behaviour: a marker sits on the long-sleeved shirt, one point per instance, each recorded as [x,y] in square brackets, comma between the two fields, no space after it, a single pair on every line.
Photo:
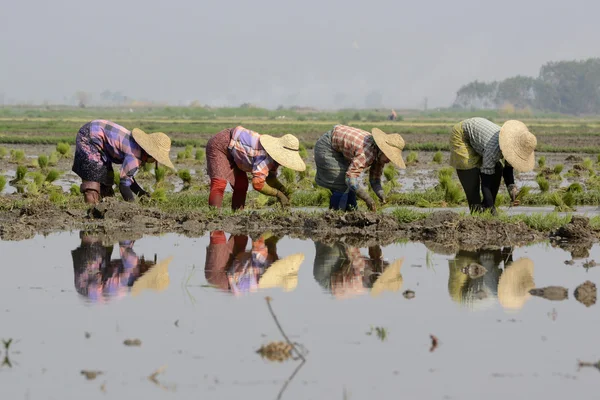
[250,156]
[117,146]
[359,148]
[483,136]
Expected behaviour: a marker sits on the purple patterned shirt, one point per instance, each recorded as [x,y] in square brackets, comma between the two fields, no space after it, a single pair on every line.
[117,146]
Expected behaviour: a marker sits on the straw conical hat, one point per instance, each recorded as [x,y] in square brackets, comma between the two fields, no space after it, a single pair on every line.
[157,145]
[282,273]
[517,145]
[391,145]
[284,150]
[390,279]
[515,283]
[156,278]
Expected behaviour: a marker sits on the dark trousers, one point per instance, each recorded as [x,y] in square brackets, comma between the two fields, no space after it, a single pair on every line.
[470,179]
[343,201]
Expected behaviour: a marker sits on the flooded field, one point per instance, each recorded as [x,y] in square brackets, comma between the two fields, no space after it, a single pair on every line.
[172,316]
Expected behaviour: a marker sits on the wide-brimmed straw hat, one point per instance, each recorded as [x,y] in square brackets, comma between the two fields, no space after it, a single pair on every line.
[391,145]
[157,145]
[282,273]
[390,280]
[156,278]
[517,145]
[284,150]
[515,283]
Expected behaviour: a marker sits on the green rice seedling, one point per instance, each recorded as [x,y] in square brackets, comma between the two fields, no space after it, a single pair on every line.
[438,157]
[541,221]
[524,191]
[405,215]
[53,159]
[588,164]
[445,172]
[289,175]
[543,184]
[180,155]
[454,193]
[597,157]
[575,188]
[501,199]
[74,190]
[560,203]
[57,197]
[569,199]
[33,189]
[189,150]
[185,176]
[306,174]
[200,155]
[34,163]
[159,194]
[43,161]
[391,174]
[17,156]
[4,152]
[160,173]
[20,173]
[52,176]
[2,182]
[38,178]
[146,167]
[302,151]
[558,169]
[542,161]
[412,158]
[63,149]
[117,178]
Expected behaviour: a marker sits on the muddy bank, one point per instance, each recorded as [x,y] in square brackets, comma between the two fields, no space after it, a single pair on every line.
[443,231]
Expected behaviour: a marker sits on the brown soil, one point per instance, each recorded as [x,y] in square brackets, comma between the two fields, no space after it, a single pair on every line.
[577,237]
[441,230]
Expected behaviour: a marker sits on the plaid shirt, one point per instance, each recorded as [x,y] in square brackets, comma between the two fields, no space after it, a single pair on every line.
[117,146]
[250,156]
[359,148]
[483,135]
[246,271]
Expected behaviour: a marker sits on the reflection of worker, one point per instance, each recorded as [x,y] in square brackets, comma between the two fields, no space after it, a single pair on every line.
[510,286]
[476,149]
[101,143]
[98,278]
[342,155]
[234,152]
[344,271]
[230,267]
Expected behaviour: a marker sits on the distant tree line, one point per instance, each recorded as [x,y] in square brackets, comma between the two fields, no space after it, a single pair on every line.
[568,87]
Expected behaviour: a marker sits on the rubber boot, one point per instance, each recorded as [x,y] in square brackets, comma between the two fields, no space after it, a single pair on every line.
[91,192]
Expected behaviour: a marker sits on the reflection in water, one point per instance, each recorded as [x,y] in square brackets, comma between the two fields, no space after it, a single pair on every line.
[509,286]
[342,270]
[99,278]
[231,268]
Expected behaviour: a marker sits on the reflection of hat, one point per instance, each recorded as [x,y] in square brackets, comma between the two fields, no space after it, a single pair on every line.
[515,283]
[390,279]
[282,273]
[517,145]
[157,145]
[156,278]
[284,150]
[391,145]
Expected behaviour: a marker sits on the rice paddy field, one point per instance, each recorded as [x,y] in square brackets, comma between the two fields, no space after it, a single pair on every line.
[166,298]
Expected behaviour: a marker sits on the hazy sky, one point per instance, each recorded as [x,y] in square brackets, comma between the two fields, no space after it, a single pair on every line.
[269,52]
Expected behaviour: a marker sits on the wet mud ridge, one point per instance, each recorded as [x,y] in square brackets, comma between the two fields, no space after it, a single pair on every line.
[444,230]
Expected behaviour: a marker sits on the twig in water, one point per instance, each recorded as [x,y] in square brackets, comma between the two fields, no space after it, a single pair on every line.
[153,377]
[300,355]
[434,343]
[589,364]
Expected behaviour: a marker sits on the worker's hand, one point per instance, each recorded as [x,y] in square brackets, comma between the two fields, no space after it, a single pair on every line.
[361,193]
[285,202]
[381,196]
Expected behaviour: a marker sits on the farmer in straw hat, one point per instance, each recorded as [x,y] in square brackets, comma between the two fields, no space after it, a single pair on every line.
[233,152]
[476,147]
[100,143]
[341,156]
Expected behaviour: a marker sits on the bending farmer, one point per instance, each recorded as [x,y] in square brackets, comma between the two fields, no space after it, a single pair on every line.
[343,153]
[101,143]
[476,148]
[231,153]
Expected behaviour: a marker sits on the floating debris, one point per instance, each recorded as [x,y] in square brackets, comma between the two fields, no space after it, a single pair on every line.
[380,331]
[276,351]
[474,270]
[569,262]
[408,294]
[552,293]
[132,342]
[90,375]
[584,364]
[586,293]
[434,343]
[589,264]
[88,335]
